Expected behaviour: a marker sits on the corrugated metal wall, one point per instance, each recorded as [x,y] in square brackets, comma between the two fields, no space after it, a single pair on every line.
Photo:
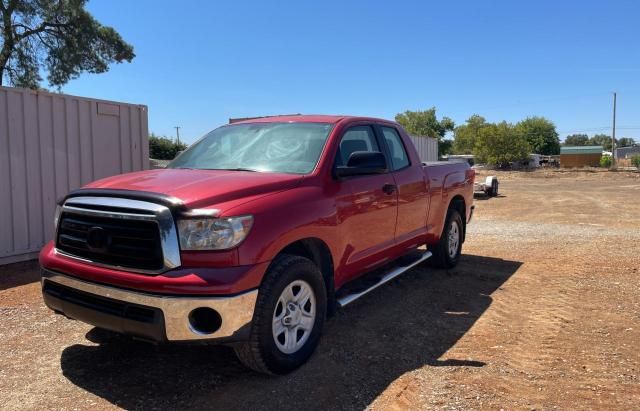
[51,144]
[427,147]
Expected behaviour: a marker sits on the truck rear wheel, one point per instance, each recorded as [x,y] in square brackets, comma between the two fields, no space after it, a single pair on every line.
[288,317]
[447,252]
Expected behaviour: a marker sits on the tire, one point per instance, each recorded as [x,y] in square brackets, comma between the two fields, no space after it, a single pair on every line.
[446,254]
[280,350]
[494,189]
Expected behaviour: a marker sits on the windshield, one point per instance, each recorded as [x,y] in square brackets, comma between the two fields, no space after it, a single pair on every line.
[271,147]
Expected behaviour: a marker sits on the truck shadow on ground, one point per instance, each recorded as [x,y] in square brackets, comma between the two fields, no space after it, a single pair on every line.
[17,274]
[484,197]
[406,324]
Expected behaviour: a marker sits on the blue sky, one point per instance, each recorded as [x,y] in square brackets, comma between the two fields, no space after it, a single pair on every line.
[200,62]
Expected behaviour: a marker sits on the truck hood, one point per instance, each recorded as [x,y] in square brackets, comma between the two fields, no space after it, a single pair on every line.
[220,189]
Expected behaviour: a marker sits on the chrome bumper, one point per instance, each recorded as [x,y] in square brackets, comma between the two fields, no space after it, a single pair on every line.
[236,312]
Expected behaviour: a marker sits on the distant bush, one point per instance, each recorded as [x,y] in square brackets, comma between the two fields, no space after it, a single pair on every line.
[164,148]
[605,161]
[635,160]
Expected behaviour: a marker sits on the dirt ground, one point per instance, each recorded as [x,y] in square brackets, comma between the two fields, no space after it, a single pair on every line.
[543,312]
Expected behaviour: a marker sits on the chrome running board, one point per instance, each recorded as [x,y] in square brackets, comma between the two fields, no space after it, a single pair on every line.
[349,298]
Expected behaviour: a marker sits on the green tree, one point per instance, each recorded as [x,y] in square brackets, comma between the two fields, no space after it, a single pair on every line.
[625,142]
[601,140]
[605,161]
[541,135]
[58,36]
[500,144]
[635,160]
[577,140]
[425,123]
[445,147]
[164,148]
[465,135]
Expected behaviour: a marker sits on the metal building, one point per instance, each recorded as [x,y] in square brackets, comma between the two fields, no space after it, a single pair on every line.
[53,143]
[426,147]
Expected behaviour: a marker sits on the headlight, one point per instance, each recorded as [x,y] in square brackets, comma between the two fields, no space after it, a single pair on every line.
[213,233]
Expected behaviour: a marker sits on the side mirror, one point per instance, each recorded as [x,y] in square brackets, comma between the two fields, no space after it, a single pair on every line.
[363,163]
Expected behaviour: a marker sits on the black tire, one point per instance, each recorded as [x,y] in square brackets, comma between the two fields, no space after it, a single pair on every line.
[261,353]
[494,189]
[441,257]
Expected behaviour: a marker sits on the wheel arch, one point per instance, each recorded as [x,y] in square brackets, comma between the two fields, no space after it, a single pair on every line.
[319,253]
[458,203]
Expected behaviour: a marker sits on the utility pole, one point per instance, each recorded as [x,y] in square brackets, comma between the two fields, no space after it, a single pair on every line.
[613,134]
[178,133]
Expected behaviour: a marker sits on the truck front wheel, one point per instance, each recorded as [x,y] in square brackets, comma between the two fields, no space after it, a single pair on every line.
[288,317]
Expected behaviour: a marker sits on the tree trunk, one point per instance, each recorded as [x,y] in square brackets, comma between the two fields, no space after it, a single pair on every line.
[8,38]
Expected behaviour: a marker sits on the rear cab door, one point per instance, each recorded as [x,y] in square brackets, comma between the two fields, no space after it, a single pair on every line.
[411,186]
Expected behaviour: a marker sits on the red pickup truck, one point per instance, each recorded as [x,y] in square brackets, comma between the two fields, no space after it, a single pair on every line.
[255,234]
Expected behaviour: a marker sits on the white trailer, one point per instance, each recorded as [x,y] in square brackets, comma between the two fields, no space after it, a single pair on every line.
[489,187]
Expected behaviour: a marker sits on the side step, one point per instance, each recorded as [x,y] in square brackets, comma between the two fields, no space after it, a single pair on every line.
[351,297]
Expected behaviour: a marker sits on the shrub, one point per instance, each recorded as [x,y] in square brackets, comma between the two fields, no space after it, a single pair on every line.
[635,160]
[164,148]
[605,161]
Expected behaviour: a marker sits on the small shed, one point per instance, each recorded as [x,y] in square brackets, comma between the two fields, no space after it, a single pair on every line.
[580,156]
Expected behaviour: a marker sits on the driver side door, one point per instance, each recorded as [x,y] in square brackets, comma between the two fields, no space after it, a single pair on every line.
[367,210]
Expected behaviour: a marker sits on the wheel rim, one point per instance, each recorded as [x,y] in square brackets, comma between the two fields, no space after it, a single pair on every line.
[454,239]
[294,316]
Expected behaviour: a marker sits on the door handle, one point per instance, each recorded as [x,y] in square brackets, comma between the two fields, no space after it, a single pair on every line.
[389,188]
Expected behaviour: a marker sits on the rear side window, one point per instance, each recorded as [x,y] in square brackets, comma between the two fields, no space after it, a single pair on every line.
[399,157]
[359,138]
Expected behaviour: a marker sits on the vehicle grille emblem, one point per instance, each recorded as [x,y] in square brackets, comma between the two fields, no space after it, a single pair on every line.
[97,239]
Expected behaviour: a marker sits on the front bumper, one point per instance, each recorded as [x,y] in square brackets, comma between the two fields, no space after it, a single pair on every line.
[145,315]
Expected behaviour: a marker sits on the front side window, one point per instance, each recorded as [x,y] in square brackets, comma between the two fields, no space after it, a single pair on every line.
[399,157]
[359,138]
[292,148]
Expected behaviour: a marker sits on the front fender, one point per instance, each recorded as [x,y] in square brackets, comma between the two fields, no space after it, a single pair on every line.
[284,218]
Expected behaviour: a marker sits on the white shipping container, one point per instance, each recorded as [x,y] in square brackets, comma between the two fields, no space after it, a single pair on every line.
[51,144]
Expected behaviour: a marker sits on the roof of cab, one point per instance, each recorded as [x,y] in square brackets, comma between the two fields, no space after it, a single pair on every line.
[304,118]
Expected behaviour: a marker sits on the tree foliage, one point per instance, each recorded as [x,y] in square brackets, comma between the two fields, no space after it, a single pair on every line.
[59,36]
[465,135]
[635,160]
[598,140]
[445,147]
[541,135]
[625,142]
[601,140]
[577,140]
[164,148]
[426,124]
[500,144]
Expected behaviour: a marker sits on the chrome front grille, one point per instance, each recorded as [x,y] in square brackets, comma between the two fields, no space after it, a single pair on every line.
[130,234]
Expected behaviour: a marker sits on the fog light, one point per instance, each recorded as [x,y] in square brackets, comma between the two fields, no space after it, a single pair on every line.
[204,320]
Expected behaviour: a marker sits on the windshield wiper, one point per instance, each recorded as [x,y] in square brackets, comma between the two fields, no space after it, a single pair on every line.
[235,169]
